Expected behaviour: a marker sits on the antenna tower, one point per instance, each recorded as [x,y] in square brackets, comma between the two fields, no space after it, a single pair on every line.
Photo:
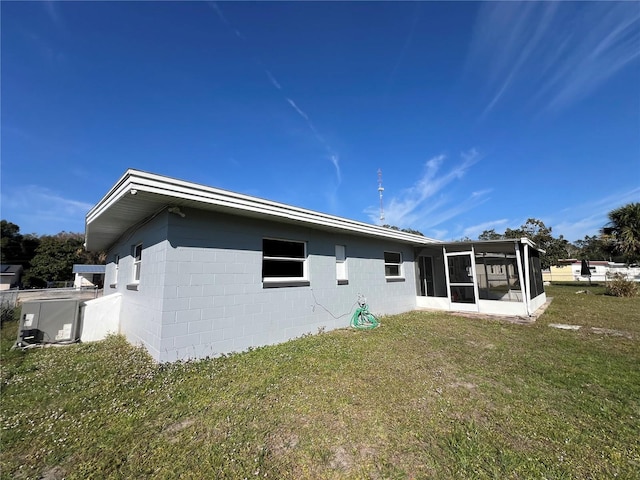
[380,190]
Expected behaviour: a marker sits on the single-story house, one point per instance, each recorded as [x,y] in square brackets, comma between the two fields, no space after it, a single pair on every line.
[194,271]
[88,276]
[10,276]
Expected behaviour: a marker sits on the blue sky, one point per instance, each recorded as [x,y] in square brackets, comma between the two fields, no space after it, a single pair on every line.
[480,115]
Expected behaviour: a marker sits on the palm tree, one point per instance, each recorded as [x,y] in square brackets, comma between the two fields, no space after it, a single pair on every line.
[624,228]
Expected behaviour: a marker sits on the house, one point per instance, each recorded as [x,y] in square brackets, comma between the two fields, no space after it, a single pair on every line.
[88,276]
[195,271]
[10,276]
[570,270]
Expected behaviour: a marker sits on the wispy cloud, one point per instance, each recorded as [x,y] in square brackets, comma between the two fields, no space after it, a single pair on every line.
[40,210]
[423,205]
[332,156]
[475,230]
[590,217]
[214,6]
[272,79]
[52,10]
[551,54]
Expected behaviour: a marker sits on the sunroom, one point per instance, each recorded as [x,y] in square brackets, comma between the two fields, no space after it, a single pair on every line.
[496,277]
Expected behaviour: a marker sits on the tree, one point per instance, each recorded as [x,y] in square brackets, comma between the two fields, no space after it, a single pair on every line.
[536,231]
[15,248]
[593,248]
[490,235]
[624,230]
[407,230]
[54,258]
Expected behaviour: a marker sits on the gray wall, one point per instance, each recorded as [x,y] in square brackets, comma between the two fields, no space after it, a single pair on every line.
[201,292]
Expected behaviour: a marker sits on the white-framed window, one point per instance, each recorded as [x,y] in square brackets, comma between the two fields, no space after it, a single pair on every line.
[283,260]
[341,264]
[116,262]
[137,262]
[393,264]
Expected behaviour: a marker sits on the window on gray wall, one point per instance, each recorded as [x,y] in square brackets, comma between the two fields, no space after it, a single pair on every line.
[392,264]
[137,262]
[341,263]
[283,260]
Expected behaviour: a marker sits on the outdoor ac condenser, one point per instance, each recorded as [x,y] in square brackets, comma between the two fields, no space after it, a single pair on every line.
[49,321]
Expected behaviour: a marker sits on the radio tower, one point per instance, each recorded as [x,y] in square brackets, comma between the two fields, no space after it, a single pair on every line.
[380,190]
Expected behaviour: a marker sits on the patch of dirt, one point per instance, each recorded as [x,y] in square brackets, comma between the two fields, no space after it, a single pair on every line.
[55,473]
[341,460]
[467,385]
[280,443]
[179,426]
[615,333]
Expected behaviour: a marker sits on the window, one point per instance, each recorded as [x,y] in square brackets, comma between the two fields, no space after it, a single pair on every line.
[392,264]
[116,261]
[137,262]
[283,260]
[341,264]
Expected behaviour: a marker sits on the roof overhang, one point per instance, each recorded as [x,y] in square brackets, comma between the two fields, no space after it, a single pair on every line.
[139,195]
[490,245]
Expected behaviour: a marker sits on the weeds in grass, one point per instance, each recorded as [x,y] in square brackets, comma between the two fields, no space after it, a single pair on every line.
[426,396]
[619,286]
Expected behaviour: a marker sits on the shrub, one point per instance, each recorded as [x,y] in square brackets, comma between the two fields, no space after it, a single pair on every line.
[619,286]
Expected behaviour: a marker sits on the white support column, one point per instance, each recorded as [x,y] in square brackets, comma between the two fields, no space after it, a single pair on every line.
[527,278]
[521,275]
[476,291]
[446,274]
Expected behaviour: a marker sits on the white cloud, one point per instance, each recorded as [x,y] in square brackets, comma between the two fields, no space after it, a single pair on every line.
[575,224]
[272,79]
[475,230]
[40,210]
[420,206]
[551,53]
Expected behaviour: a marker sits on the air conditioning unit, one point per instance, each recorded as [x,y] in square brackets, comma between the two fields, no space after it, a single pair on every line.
[49,321]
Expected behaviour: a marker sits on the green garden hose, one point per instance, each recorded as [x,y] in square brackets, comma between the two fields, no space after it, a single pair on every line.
[363,319]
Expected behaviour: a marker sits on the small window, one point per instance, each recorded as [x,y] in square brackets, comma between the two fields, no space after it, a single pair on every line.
[341,264]
[392,264]
[137,262]
[283,260]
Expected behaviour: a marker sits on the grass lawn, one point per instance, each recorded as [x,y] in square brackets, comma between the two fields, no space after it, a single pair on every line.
[426,395]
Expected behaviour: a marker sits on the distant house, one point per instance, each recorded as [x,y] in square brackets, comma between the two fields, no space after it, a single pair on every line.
[570,270]
[194,271]
[88,276]
[10,276]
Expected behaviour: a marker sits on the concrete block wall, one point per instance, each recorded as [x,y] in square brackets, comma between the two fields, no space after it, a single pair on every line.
[141,311]
[214,301]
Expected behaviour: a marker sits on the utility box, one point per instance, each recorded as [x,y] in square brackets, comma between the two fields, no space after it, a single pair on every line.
[49,321]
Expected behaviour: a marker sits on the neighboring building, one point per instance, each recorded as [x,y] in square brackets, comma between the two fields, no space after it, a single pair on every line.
[198,271]
[570,270]
[10,276]
[88,276]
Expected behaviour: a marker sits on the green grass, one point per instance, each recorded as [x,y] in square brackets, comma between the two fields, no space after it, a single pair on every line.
[426,395]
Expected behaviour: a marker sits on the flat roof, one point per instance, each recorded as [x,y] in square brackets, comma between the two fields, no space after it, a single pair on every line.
[78,268]
[139,195]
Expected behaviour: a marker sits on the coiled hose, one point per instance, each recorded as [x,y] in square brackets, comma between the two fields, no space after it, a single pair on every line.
[363,319]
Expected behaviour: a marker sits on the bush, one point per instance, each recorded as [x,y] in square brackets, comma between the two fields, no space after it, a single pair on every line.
[619,286]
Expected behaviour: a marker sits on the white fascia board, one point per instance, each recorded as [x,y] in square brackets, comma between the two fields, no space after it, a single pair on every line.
[179,189]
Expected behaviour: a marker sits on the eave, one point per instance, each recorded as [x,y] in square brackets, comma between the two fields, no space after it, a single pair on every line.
[139,195]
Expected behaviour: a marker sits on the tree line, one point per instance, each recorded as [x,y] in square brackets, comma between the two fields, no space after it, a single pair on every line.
[50,258]
[45,258]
